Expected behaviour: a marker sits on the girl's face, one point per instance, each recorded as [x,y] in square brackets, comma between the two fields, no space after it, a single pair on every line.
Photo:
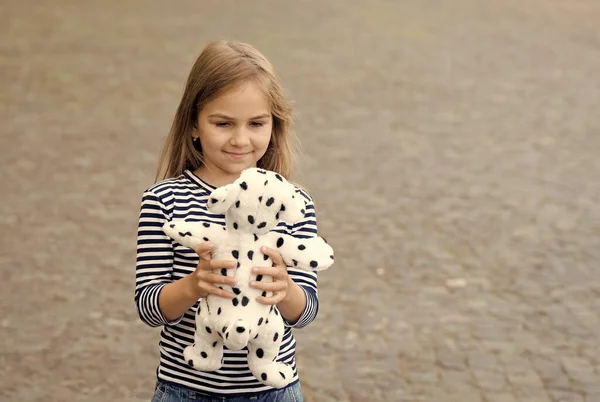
[234,130]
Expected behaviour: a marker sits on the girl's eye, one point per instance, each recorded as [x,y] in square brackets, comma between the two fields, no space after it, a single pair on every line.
[257,124]
[222,124]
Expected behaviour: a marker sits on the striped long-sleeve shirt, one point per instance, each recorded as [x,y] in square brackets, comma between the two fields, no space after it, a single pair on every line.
[158,264]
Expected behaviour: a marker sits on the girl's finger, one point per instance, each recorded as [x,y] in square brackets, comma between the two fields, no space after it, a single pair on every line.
[274,255]
[214,290]
[269,286]
[275,272]
[204,250]
[275,299]
[220,279]
[217,265]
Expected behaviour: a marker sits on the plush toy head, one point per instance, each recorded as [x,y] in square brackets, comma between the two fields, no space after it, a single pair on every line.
[255,203]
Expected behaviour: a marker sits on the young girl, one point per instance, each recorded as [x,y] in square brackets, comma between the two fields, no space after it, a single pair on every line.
[232,116]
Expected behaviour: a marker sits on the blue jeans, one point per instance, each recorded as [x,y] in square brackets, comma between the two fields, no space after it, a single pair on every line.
[166,392]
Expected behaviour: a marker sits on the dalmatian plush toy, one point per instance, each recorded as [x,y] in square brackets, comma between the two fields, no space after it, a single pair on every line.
[253,205]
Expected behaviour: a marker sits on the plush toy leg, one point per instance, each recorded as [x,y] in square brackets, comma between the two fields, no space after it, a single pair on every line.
[264,349]
[206,354]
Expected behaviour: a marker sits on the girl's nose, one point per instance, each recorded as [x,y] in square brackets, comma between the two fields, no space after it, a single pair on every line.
[240,137]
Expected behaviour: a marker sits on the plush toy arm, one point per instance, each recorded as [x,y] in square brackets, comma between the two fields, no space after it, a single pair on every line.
[190,234]
[311,254]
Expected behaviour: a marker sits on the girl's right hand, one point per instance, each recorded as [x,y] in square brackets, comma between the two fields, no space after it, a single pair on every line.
[203,280]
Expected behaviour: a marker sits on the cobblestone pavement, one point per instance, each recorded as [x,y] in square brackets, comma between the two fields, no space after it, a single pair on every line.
[451,148]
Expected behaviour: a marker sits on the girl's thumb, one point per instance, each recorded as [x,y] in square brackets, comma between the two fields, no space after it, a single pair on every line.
[204,249]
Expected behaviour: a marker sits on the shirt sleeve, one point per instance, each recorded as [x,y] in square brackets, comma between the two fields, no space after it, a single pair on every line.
[303,229]
[154,262]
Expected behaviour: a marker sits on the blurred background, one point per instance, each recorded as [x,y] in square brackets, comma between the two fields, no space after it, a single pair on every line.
[451,146]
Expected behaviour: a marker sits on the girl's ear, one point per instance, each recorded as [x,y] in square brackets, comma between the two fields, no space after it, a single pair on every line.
[293,208]
[222,198]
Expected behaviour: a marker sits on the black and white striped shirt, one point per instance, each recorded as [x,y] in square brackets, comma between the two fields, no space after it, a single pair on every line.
[157,264]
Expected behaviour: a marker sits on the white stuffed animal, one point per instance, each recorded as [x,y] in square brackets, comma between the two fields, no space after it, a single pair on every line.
[253,205]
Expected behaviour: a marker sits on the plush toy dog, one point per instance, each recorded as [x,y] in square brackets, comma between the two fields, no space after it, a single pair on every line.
[253,205]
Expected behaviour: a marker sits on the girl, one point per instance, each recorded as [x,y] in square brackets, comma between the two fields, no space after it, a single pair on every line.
[232,116]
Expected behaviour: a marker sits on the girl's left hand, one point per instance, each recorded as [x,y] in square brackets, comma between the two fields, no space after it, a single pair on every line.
[281,280]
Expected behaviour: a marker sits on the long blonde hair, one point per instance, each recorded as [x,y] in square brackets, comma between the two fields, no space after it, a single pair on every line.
[221,65]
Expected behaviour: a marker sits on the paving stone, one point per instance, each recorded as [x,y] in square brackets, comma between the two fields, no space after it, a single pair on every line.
[500,397]
[451,360]
[455,380]
[527,379]
[490,380]
[546,368]
[482,360]
[424,377]
[565,396]
[579,369]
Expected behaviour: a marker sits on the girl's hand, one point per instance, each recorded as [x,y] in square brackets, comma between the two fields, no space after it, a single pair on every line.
[281,280]
[203,281]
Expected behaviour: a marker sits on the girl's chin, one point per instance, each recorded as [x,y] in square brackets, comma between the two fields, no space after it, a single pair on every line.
[237,168]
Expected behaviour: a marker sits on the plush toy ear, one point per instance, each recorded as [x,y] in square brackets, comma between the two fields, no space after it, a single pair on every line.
[222,198]
[293,208]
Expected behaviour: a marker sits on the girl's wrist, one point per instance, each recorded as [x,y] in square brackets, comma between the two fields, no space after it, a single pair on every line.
[290,291]
[293,304]
[192,291]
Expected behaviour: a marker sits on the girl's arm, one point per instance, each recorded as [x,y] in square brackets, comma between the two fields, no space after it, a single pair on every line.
[177,297]
[293,304]
[154,263]
[301,305]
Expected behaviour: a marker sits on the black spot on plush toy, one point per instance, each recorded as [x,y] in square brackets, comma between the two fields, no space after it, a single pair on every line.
[253,205]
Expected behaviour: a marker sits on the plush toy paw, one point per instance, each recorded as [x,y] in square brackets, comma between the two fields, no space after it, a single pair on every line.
[209,359]
[274,374]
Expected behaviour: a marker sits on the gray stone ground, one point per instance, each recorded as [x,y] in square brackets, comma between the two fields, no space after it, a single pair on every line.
[452,148]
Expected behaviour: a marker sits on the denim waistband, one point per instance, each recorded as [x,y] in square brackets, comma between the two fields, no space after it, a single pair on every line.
[186,393]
